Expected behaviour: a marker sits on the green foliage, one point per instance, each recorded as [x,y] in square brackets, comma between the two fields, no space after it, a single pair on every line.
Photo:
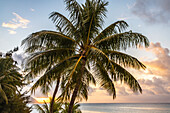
[17,103]
[11,101]
[10,78]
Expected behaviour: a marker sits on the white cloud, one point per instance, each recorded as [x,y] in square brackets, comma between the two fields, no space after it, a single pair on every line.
[159,66]
[32,9]
[19,57]
[12,32]
[10,25]
[17,22]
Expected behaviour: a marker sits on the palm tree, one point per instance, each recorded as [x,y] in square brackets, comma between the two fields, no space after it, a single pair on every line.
[81,51]
[10,78]
[11,83]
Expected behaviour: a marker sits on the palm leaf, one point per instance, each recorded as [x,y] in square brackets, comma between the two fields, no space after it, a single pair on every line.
[10,87]
[62,22]
[114,28]
[125,60]
[75,11]
[3,94]
[89,77]
[39,108]
[35,48]
[94,12]
[105,80]
[51,74]
[48,39]
[124,76]
[122,41]
[40,60]
[99,55]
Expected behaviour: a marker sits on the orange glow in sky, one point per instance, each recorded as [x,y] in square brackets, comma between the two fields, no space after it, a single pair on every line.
[41,100]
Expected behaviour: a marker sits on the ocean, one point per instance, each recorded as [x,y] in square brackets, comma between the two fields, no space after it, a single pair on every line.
[123,108]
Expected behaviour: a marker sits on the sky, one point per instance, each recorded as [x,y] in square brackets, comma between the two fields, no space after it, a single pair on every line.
[20,18]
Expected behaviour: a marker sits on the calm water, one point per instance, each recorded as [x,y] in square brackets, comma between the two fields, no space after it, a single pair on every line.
[123,108]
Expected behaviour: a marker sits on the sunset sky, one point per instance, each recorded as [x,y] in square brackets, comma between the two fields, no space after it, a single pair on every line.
[19,18]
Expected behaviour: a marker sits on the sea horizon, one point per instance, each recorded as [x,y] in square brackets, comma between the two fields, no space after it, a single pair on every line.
[123,108]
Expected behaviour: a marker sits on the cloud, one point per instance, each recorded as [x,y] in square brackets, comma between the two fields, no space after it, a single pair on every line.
[91,90]
[18,57]
[152,11]
[158,70]
[156,86]
[148,92]
[160,65]
[17,22]
[32,9]
[122,91]
[12,32]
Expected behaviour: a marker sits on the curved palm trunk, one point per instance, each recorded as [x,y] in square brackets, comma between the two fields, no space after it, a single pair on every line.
[73,98]
[54,94]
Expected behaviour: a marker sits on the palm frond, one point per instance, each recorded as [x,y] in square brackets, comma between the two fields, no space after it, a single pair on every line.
[83,92]
[39,108]
[44,83]
[124,76]
[89,30]
[2,93]
[62,22]
[58,69]
[48,39]
[98,55]
[35,48]
[88,77]
[46,107]
[10,87]
[105,80]
[51,54]
[122,41]
[125,60]
[114,28]
[75,11]
[39,61]
[94,12]
[52,73]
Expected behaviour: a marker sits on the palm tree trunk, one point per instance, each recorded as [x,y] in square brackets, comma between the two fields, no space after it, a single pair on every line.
[73,98]
[54,94]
